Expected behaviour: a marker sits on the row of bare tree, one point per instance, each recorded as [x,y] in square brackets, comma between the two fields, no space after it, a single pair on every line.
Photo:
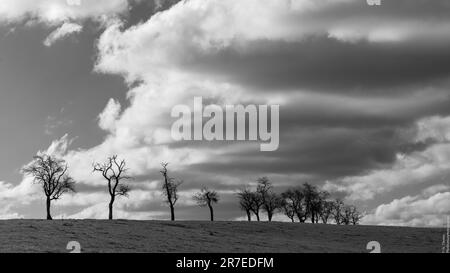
[301,203]
[51,173]
[304,202]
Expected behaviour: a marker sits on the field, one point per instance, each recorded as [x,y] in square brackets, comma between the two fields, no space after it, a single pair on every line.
[206,237]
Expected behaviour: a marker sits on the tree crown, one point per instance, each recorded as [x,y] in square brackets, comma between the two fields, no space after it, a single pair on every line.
[51,173]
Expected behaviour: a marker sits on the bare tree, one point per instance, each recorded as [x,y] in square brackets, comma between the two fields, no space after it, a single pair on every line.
[256,203]
[207,197]
[170,190]
[312,201]
[271,201]
[114,172]
[51,173]
[288,209]
[321,208]
[355,215]
[347,215]
[307,202]
[326,211]
[339,212]
[350,215]
[294,198]
[245,202]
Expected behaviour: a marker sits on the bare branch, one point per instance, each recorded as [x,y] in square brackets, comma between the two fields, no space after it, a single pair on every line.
[51,173]
[170,189]
[114,171]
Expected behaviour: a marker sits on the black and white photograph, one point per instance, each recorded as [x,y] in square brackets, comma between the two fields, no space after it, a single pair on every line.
[247,127]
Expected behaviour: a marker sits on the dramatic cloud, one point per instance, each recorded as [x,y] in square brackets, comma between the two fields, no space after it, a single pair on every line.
[421,210]
[350,93]
[432,165]
[364,95]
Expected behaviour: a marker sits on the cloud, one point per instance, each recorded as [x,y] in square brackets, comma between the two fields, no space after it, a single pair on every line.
[351,98]
[63,31]
[217,39]
[67,15]
[220,39]
[413,211]
[6,214]
[436,128]
[58,11]
[109,115]
[432,165]
[363,93]
[59,147]
[14,197]
[24,192]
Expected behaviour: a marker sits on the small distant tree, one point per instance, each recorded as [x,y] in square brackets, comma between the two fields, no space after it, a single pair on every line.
[338,212]
[170,189]
[256,203]
[245,202]
[114,172]
[320,207]
[347,215]
[326,211]
[271,201]
[312,201]
[307,201]
[294,199]
[288,209]
[205,198]
[51,173]
[355,215]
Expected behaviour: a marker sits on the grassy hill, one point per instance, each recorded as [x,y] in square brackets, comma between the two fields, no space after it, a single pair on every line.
[186,237]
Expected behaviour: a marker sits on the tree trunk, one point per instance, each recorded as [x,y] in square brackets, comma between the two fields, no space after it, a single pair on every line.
[269,215]
[211,213]
[257,216]
[49,216]
[292,219]
[111,203]
[172,213]
[249,216]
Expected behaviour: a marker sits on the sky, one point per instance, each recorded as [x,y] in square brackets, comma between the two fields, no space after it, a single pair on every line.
[363,92]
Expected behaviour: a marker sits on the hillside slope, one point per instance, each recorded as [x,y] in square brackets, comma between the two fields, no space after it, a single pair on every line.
[160,236]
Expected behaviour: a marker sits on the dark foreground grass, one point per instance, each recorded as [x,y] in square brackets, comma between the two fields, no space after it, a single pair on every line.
[206,237]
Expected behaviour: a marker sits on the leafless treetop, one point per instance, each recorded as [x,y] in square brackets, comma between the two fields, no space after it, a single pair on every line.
[51,173]
[114,171]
